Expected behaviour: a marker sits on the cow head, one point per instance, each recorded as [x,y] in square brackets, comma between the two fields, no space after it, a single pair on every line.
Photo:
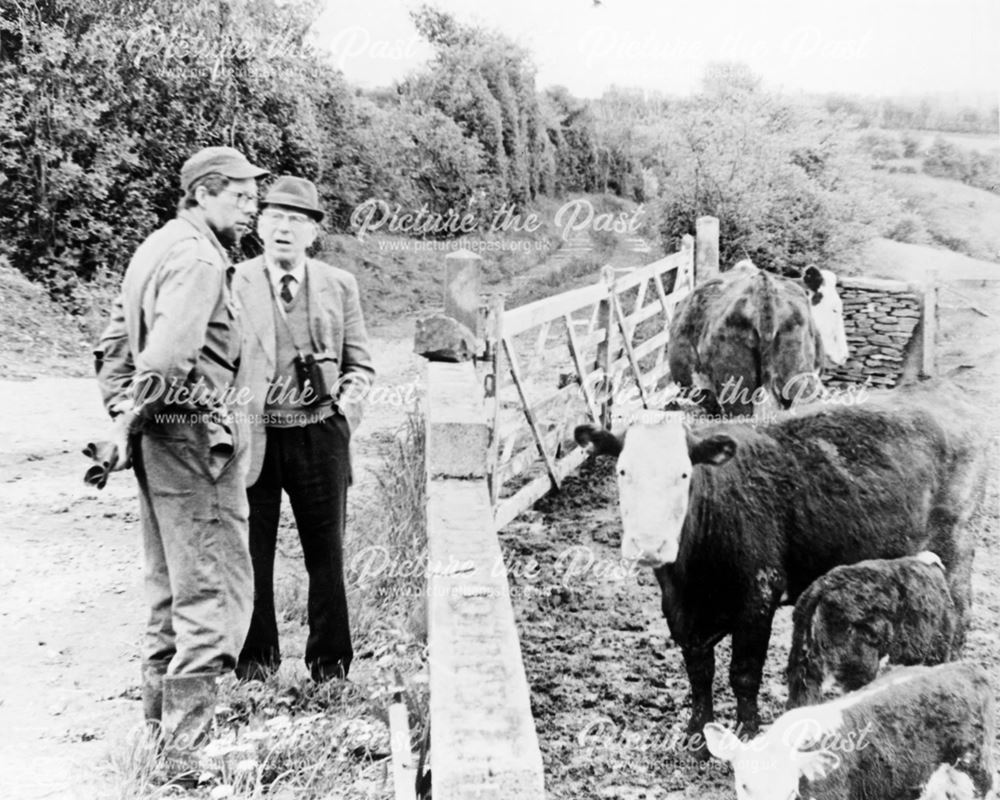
[655,463]
[827,312]
[768,768]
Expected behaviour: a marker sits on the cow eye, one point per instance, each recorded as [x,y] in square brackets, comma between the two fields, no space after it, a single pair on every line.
[684,476]
[621,473]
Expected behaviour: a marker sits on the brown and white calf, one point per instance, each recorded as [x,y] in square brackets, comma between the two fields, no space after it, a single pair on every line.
[882,742]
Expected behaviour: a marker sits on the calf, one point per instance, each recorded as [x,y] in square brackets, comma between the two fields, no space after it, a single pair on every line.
[882,742]
[856,615]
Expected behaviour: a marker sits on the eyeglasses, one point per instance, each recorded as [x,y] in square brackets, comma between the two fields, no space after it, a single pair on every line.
[277,217]
[243,199]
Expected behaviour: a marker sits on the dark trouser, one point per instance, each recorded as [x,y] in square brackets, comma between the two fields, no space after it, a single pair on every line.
[312,464]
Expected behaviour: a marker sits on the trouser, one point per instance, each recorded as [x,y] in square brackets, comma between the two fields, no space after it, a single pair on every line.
[198,572]
[312,464]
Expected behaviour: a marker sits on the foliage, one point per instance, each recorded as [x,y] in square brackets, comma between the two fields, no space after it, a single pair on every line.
[928,112]
[104,99]
[947,160]
[785,183]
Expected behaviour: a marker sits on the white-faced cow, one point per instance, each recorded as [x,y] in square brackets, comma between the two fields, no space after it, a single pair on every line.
[749,329]
[885,741]
[736,518]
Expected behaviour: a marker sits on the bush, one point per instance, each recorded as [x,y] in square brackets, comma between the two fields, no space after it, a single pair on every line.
[102,100]
[882,146]
[787,186]
[946,160]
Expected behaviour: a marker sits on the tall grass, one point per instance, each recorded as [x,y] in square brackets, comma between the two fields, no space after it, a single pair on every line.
[287,737]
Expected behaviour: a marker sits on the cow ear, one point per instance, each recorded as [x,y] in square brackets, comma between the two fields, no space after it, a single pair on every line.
[816,764]
[597,440]
[812,278]
[721,742]
[715,450]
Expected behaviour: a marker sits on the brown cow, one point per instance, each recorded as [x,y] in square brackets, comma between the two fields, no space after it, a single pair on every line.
[749,329]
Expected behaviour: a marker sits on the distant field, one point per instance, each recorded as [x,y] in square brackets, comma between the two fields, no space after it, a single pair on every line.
[982,142]
[959,217]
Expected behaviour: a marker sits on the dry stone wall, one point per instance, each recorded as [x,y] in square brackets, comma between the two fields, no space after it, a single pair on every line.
[882,322]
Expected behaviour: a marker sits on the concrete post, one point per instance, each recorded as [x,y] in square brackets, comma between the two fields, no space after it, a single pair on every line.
[462,289]
[706,251]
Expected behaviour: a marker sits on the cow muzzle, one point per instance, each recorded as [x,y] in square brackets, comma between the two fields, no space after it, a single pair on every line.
[645,557]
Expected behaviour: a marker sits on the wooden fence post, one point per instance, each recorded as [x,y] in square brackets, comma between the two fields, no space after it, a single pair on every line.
[461,288]
[929,326]
[493,334]
[706,251]
[605,350]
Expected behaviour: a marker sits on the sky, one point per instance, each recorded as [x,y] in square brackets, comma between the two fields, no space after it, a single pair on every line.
[871,47]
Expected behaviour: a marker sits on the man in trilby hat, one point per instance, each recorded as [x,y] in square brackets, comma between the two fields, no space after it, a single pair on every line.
[307,366]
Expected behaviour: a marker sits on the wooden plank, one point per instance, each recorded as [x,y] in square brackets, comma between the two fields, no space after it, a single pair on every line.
[605,352]
[517,320]
[637,317]
[969,302]
[491,393]
[485,743]
[657,372]
[651,344]
[523,461]
[404,774]
[635,277]
[929,325]
[542,338]
[873,284]
[577,356]
[627,339]
[532,492]
[515,372]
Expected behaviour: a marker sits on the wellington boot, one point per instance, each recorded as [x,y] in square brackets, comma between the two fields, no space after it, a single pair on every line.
[188,716]
[152,692]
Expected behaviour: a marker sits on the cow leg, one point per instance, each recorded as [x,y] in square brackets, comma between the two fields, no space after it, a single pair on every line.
[751,635]
[700,665]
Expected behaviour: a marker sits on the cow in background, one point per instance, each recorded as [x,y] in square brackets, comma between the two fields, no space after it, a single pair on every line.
[856,615]
[749,329]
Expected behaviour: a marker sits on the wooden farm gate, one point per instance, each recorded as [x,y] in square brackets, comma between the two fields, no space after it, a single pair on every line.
[557,362]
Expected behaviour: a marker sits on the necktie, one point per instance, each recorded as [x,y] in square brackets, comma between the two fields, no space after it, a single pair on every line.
[286,288]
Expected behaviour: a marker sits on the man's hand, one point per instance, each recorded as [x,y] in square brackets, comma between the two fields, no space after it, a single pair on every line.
[121,440]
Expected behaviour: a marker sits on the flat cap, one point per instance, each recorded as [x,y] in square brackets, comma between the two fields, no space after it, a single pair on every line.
[224,160]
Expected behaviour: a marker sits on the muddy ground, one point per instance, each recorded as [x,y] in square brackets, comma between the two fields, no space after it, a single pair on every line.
[609,691]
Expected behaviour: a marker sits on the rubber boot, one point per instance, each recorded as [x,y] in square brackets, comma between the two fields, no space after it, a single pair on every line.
[188,716]
[152,692]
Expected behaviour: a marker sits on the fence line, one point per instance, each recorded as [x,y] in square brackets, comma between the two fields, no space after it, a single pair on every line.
[555,362]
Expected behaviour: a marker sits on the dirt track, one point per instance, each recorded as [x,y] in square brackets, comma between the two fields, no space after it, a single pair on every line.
[71,605]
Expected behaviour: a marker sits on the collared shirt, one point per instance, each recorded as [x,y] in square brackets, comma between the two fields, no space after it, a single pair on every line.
[275,273]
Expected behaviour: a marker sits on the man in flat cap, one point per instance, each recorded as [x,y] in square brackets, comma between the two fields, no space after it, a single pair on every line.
[166,367]
[307,366]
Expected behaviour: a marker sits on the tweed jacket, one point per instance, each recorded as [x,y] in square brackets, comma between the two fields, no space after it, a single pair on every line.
[338,339]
